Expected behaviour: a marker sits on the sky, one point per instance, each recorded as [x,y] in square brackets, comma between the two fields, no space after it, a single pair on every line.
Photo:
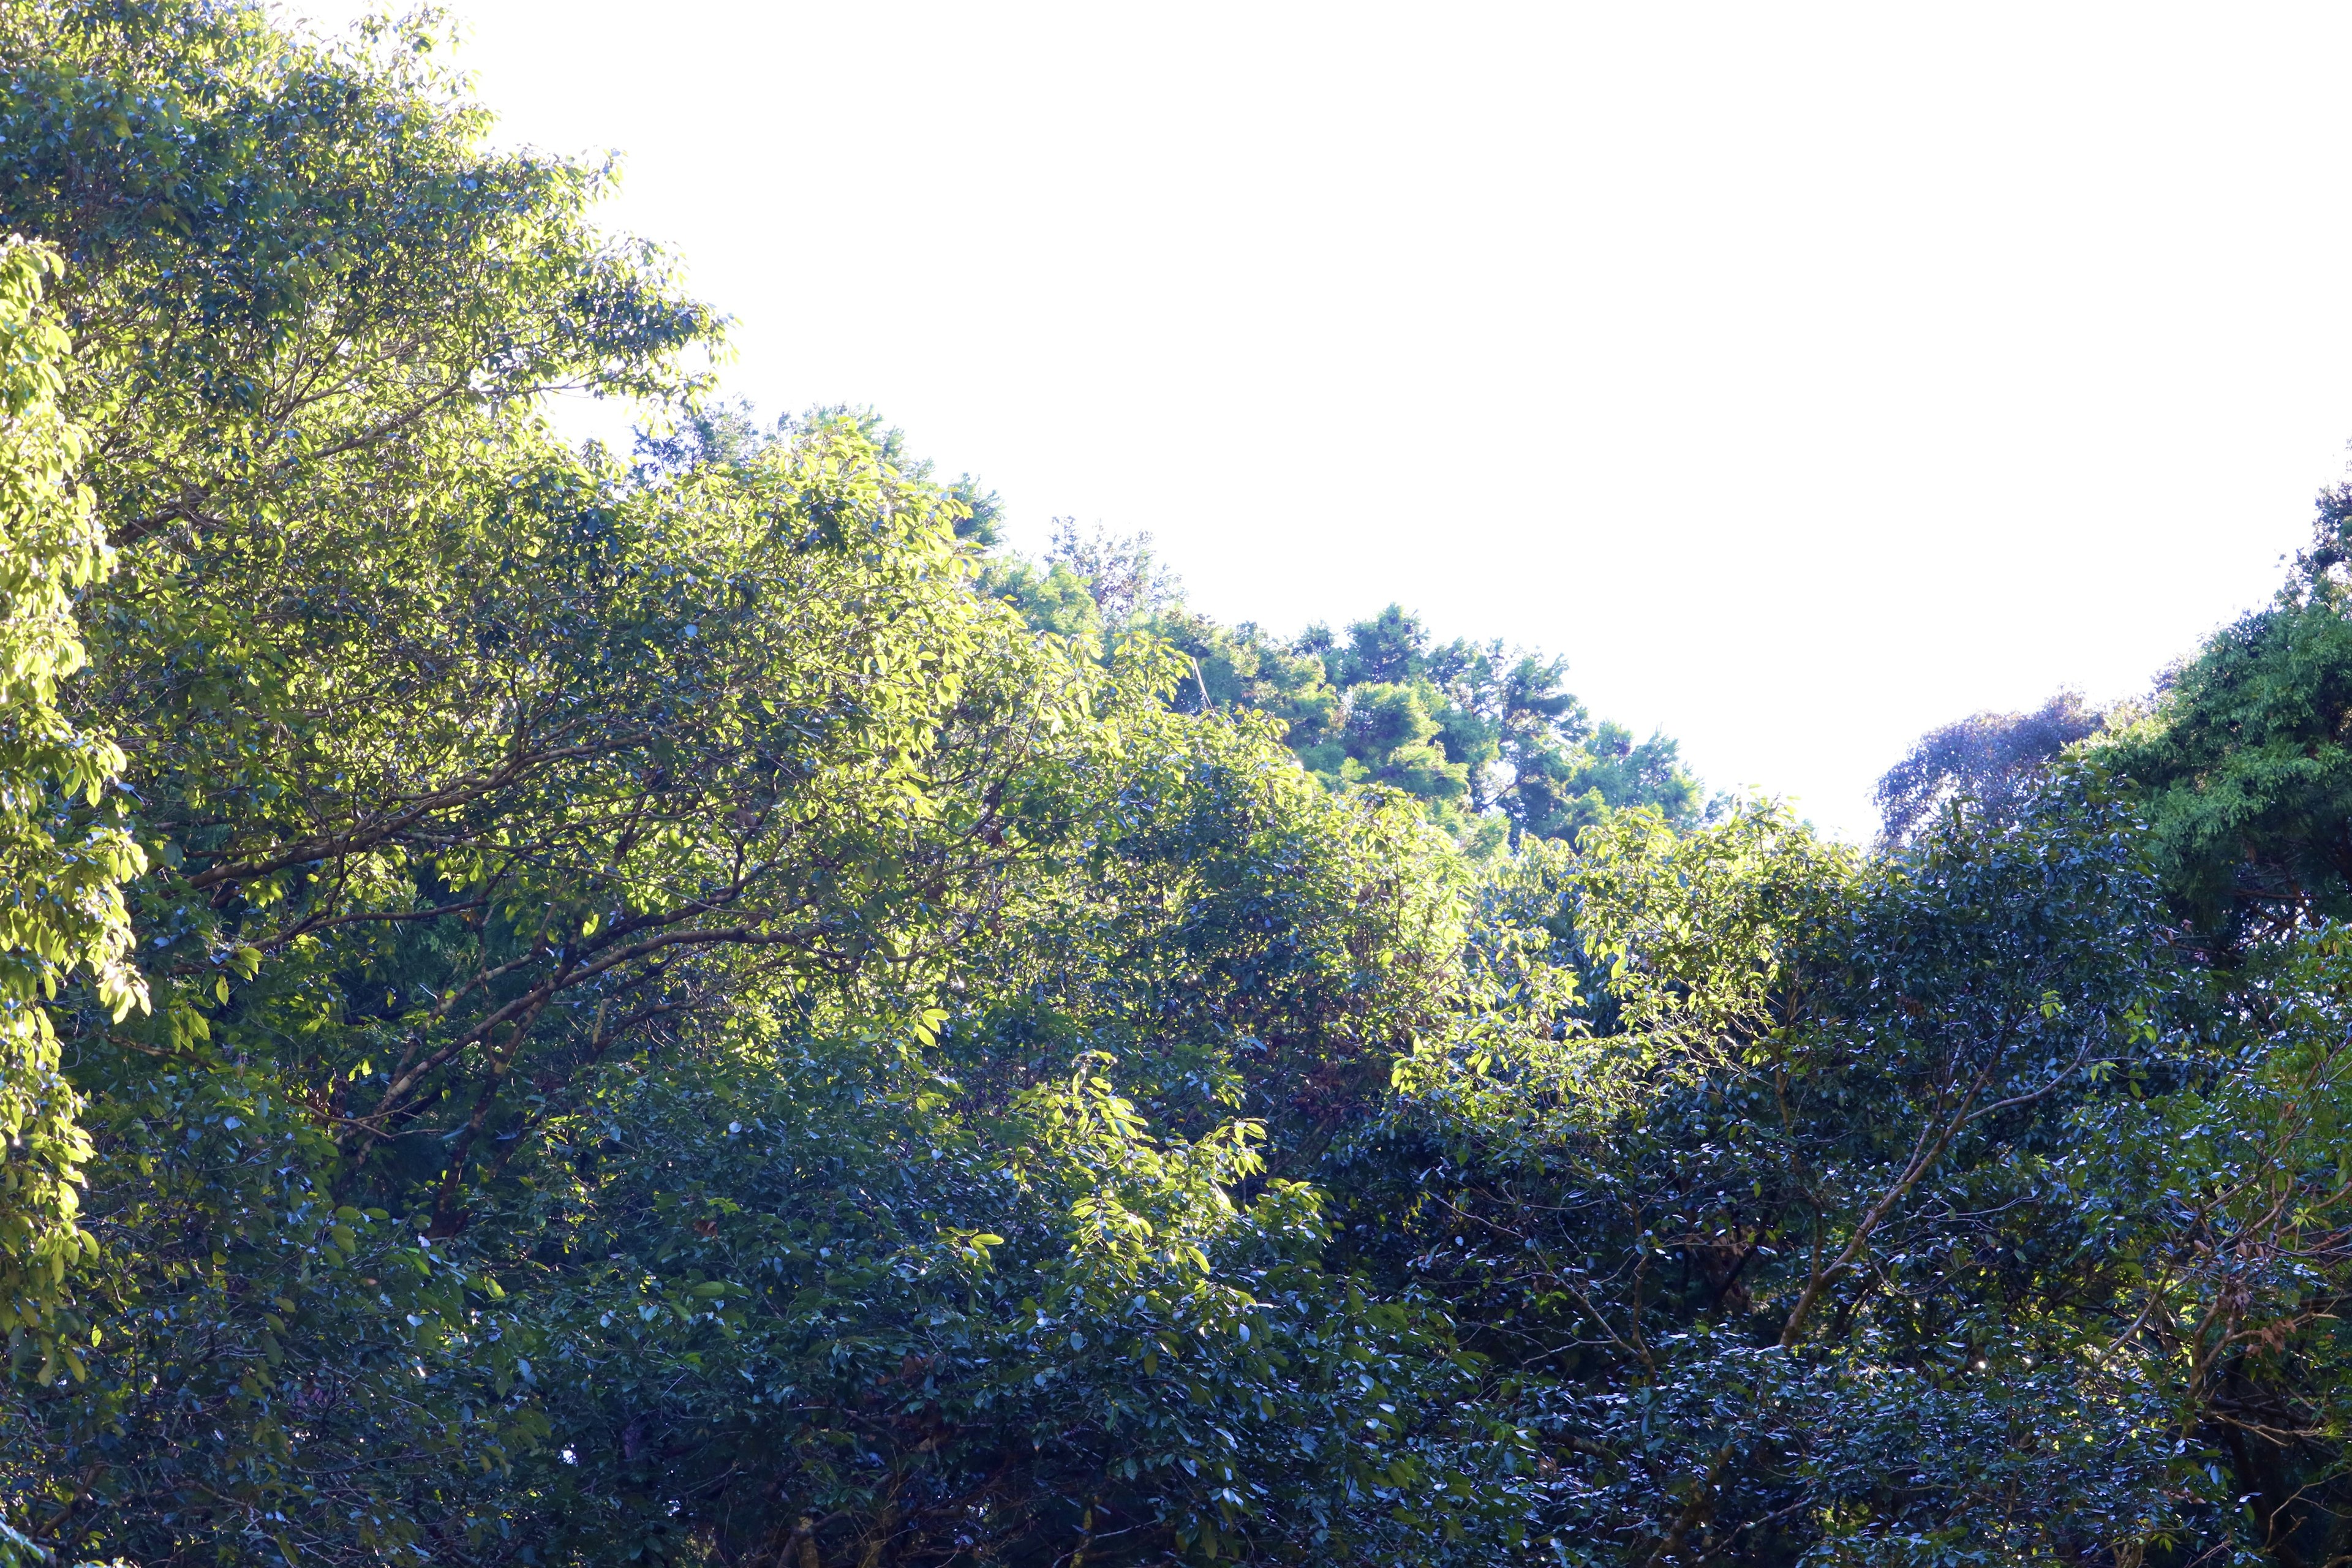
[1810,376]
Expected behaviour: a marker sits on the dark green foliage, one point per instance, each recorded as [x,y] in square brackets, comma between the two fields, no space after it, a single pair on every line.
[1914,1211]
[697,1015]
[2244,760]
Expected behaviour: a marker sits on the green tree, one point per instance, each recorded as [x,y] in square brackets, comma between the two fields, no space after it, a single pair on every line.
[1485,736]
[1037,1276]
[63,856]
[2243,760]
[700,1015]
[1905,1210]
[511,812]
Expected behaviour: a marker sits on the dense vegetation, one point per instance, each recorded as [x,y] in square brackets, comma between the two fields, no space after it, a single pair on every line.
[562,1011]
[1485,735]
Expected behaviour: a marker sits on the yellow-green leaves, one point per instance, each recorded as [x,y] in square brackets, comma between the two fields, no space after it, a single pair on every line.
[1703,932]
[61,862]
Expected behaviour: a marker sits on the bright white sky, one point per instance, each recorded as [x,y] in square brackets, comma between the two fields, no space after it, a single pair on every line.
[1810,376]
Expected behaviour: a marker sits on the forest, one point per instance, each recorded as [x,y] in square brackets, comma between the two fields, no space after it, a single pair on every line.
[693,1008]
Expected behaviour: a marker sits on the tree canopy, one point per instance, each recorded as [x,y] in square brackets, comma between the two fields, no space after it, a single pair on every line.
[696,1009]
[1486,735]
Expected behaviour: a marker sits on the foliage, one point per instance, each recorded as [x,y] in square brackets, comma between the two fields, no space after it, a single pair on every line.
[2243,758]
[1990,758]
[693,1011]
[1485,736]
[63,857]
[1918,1212]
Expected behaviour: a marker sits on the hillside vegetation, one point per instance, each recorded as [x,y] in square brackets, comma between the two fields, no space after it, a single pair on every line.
[697,1009]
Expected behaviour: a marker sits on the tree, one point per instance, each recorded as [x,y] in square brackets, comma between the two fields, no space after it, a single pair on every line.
[1042,1277]
[1120,571]
[1558,791]
[482,781]
[1990,758]
[63,856]
[1485,736]
[1903,1208]
[2241,754]
[691,1011]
